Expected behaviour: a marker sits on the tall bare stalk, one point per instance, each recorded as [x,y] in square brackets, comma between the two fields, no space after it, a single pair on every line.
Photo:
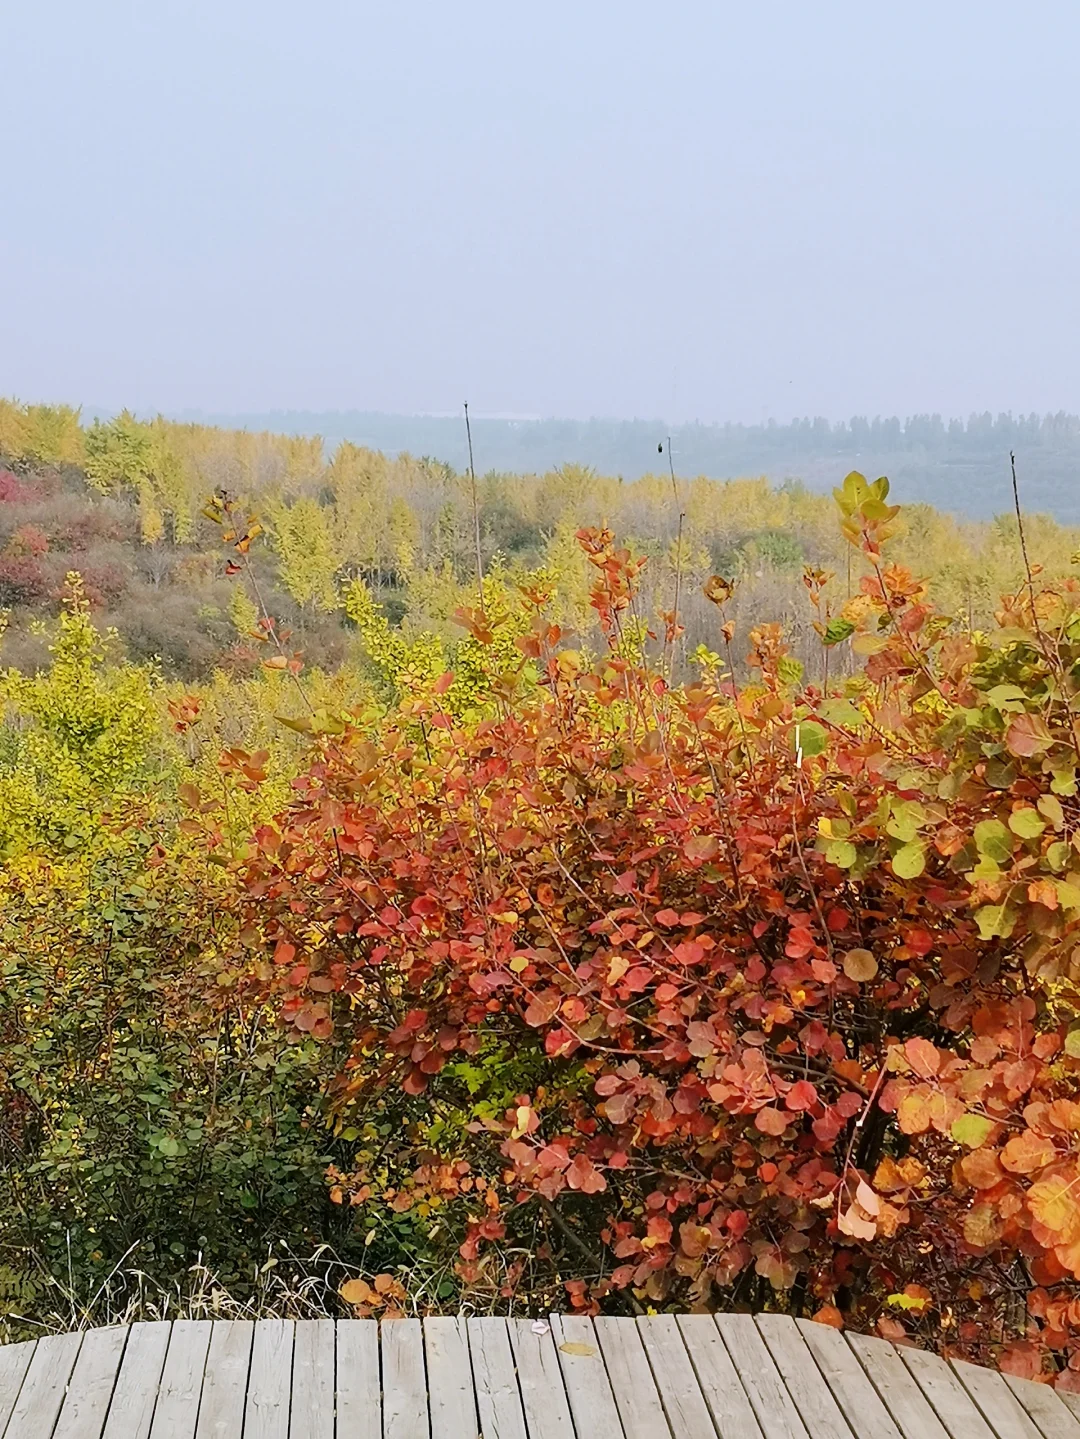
[475,513]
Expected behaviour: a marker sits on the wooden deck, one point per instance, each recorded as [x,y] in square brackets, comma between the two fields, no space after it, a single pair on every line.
[689,1377]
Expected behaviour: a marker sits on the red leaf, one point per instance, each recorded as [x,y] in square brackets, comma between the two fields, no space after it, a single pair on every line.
[584,1175]
[801,1095]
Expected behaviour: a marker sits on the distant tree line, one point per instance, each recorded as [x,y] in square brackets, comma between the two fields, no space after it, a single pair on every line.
[956,464]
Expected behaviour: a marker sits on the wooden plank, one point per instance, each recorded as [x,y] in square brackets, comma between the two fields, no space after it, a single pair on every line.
[451,1400]
[951,1401]
[543,1397]
[848,1382]
[14,1362]
[266,1409]
[43,1387]
[632,1383]
[92,1382]
[799,1370]
[1071,1401]
[498,1399]
[405,1410]
[729,1405]
[359,1401]
[759,1376]
[312,1412]
[177,1410]
[585,1378]
[898,1388]
[132,1409]
[999,1405]
[684,1404]
[1055,1419]
[225,1380]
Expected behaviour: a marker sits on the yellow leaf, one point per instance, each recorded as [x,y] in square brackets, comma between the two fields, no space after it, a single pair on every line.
[617,968]
[522,1116]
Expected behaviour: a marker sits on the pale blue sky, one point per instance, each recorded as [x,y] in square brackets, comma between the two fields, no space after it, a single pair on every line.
[712,210]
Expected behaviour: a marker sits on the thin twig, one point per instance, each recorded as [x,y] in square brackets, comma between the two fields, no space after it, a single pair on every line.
[476,513]
[1023,543]
[582,1248]
[678,556]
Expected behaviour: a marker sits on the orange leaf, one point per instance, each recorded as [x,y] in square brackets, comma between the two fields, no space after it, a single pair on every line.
[1055,1203]
[923,1057]
[981,1168]
[770,1121]
[913,1113]
[1027,1152]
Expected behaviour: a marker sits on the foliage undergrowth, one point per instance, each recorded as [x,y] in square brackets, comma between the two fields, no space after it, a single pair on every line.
[531,976]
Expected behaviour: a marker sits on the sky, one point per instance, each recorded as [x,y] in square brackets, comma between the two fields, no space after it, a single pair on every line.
[692,210]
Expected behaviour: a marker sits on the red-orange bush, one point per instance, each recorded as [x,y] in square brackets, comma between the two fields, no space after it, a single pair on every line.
[735,987]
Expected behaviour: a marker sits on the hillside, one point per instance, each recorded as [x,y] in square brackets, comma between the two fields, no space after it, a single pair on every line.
[959,465]
[121,502]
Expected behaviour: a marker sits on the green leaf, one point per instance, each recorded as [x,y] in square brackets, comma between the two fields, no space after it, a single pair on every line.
[851,494]
[994,841]
[1000,774]
[985,869]
[1049,806]
[1068,894]
[1072,1044]
[842,853]
[1028,823]
[971,1129]
[1058,855]
[842,713]
[836,631]
[911,779]
[1002,695]
[1064,781]
[790,670]
[906,818]
[909,861]
[810,738]
[995,921]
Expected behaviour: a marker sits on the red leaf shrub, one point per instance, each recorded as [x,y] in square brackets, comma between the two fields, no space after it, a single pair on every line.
[14,491]
[23,580]
[769,991]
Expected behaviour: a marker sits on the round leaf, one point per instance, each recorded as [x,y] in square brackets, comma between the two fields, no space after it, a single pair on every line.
[994,841]
[1028,823]
[909,861]
[810,737]
[971,1129]
[842,853]
[860,965]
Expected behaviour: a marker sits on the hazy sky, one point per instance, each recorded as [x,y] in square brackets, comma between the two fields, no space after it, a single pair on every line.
[682,209]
